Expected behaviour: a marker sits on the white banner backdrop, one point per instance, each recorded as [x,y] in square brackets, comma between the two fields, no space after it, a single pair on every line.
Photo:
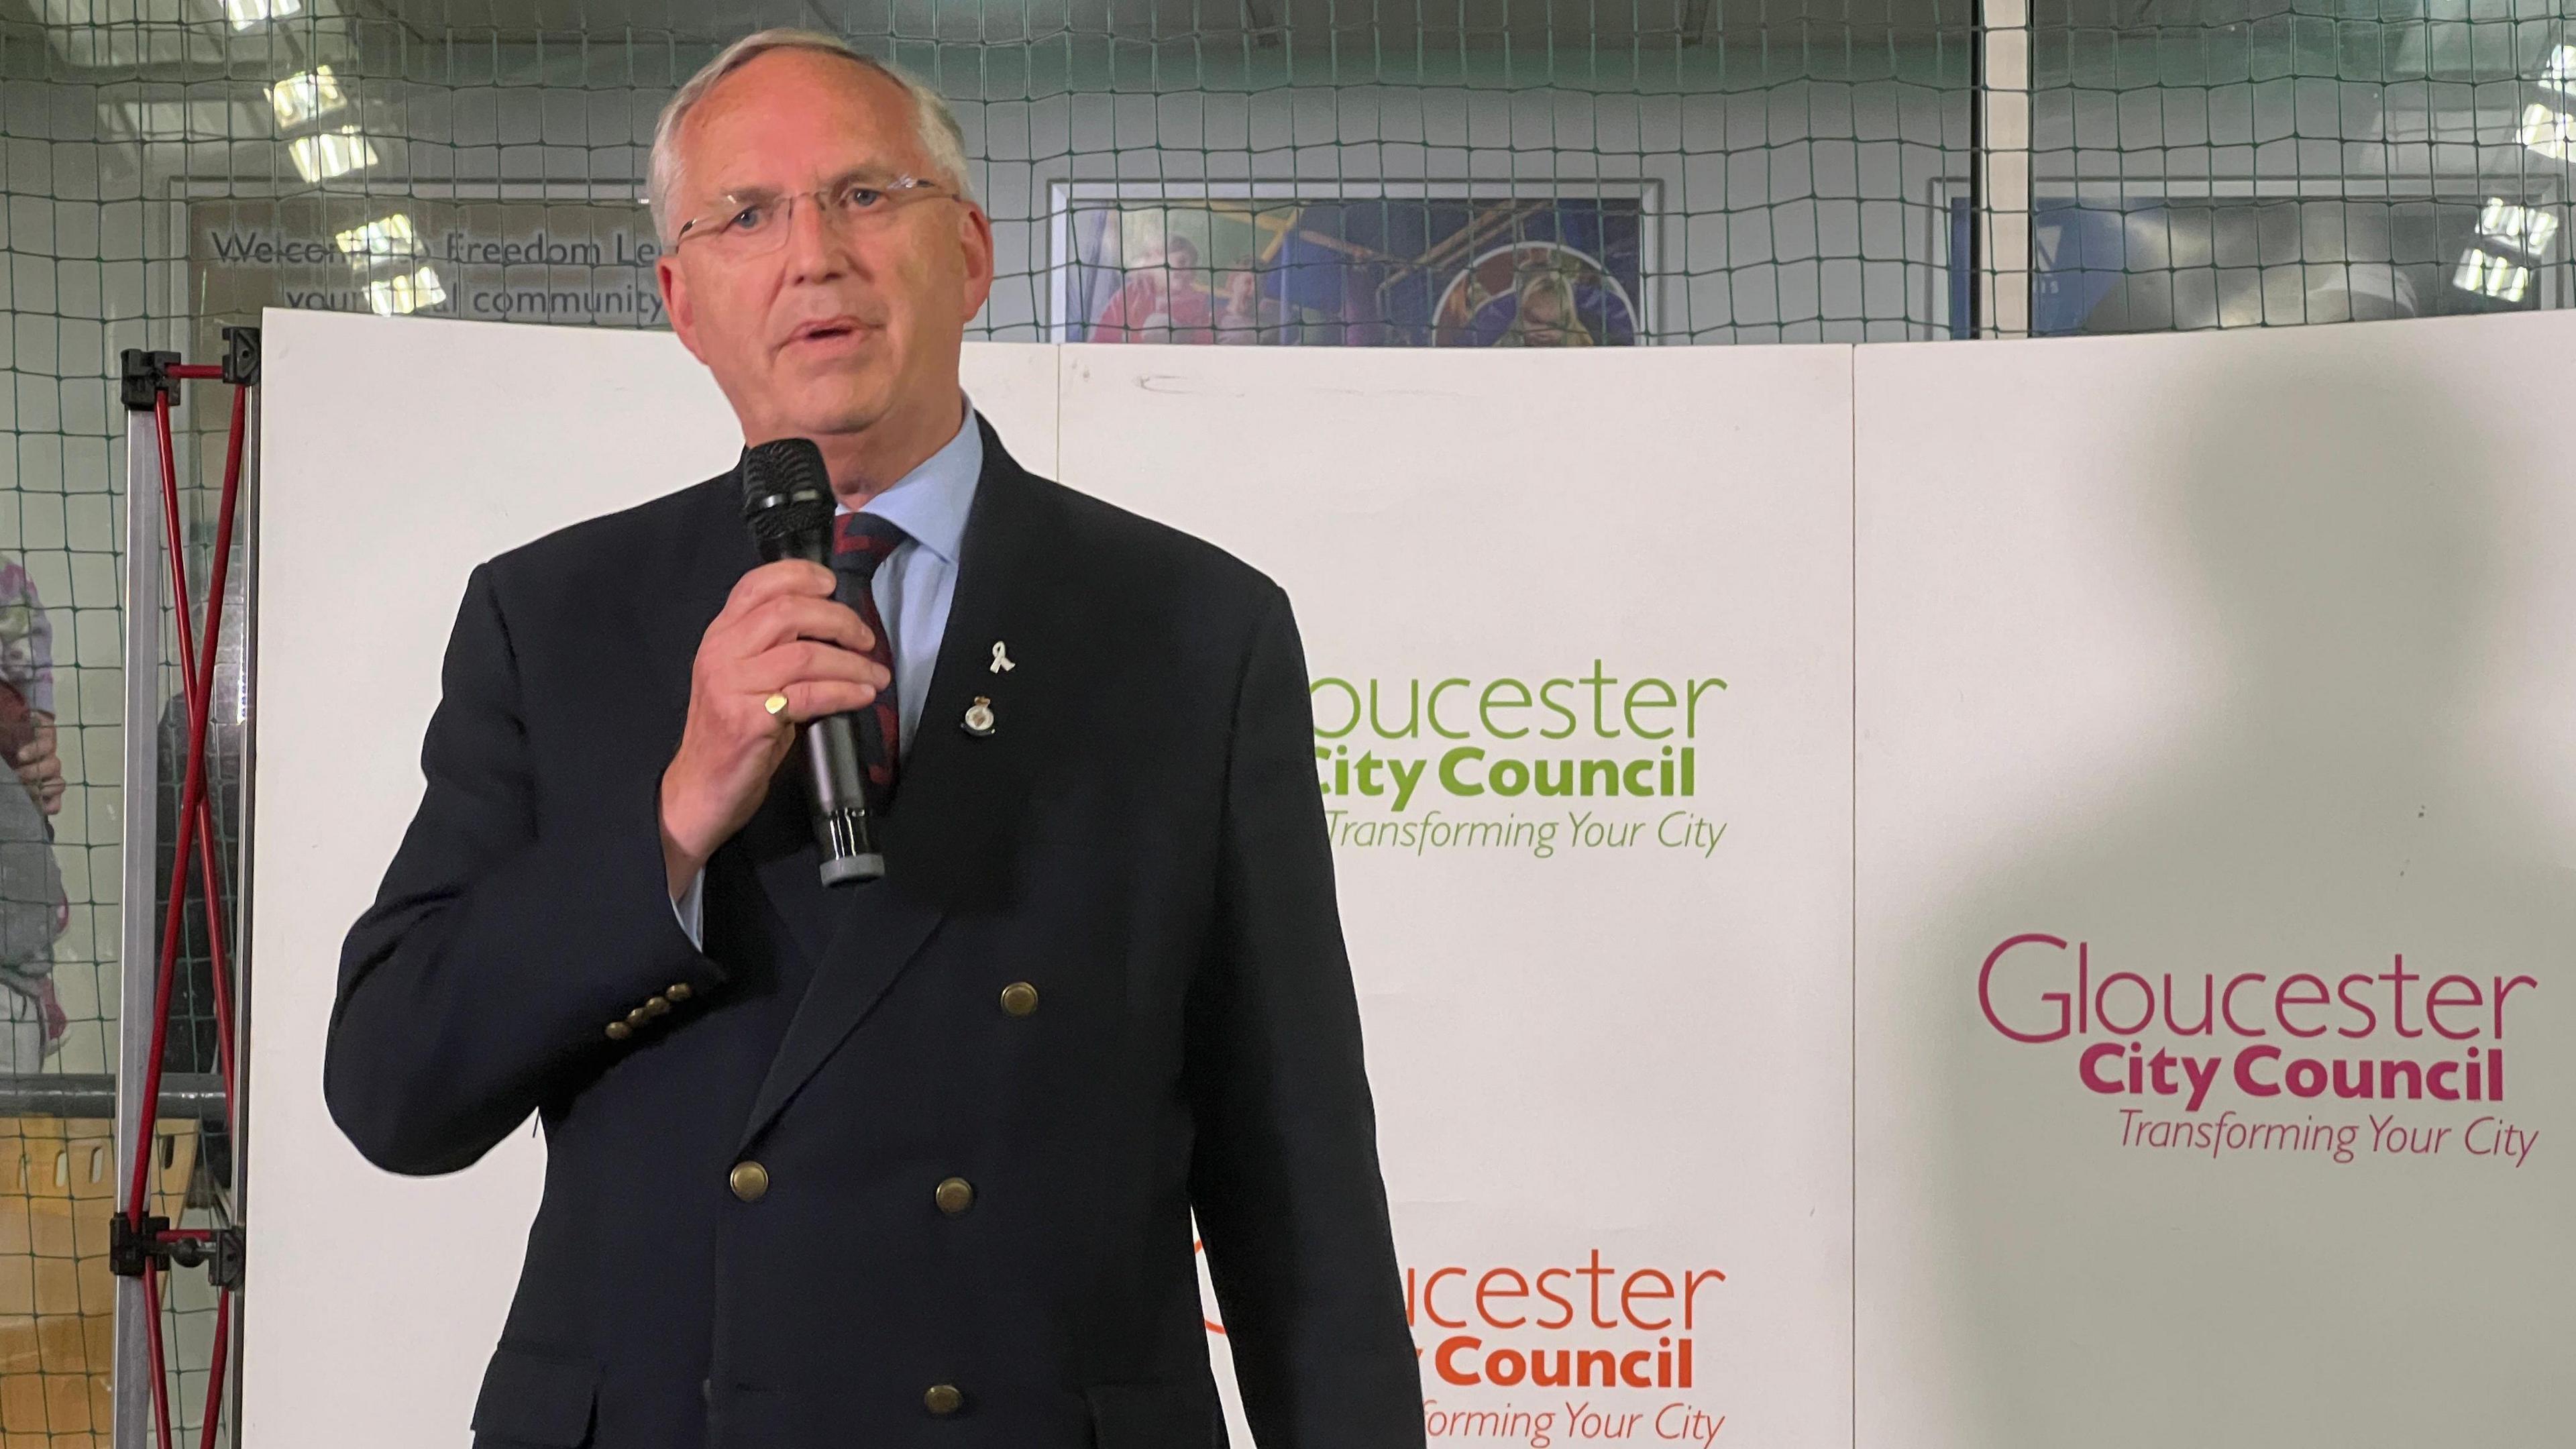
[2226,659]
[2216,795]
[1583,699]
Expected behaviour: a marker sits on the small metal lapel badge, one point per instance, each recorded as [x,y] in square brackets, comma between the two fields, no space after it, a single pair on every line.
[1002,663]
[979,717]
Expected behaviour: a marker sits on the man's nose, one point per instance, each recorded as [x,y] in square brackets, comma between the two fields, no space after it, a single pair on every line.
[816,249]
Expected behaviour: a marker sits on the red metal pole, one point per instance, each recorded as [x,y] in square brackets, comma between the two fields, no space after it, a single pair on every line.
[197,841]
[215,1372]
[200,708]
[148,1114]
[196,816]
[160,1365]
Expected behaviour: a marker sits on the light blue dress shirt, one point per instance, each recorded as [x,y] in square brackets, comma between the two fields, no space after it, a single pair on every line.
[913,588]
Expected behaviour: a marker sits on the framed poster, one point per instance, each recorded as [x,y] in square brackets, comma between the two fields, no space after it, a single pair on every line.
[1354,264]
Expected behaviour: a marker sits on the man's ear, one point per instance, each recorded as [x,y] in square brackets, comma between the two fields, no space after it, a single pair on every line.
[677,302]
[975,237]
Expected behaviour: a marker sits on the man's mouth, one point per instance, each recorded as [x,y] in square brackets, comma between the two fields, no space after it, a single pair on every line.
[827,332]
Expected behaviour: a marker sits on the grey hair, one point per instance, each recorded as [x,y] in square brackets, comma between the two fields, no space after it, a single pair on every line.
[933,122]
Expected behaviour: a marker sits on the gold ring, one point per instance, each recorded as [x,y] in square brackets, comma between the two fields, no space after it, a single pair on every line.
[776,704]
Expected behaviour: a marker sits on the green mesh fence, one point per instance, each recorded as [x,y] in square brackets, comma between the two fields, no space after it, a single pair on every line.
[1227,172]
[2235,163]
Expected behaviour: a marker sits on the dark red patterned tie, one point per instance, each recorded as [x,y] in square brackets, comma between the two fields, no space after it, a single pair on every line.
[860,543]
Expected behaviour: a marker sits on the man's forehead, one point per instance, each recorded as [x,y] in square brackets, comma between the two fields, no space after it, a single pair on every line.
[793,118]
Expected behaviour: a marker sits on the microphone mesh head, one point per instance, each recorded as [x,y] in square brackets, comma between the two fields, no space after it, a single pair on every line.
[785,488]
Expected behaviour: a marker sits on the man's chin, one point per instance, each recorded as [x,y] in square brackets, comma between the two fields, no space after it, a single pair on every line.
[843,408]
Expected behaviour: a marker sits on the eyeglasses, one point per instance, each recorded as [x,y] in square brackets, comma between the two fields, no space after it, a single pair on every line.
[756,223]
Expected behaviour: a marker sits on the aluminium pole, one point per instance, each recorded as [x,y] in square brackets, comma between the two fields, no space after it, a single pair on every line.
[138,898]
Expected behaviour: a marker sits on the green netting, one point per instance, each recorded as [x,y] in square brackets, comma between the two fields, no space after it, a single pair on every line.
[1229,172]
[2231,163]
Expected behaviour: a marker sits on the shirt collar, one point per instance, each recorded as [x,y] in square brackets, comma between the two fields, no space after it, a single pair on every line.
[930,502]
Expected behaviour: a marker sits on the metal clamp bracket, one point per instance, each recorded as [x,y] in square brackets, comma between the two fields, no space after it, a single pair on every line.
[145,377]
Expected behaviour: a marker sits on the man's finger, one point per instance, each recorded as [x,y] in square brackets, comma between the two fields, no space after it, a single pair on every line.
[782,619]
[814,698]
[774,580]
[802,660]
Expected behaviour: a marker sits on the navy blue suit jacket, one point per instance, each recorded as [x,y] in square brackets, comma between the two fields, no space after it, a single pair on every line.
[1101,986]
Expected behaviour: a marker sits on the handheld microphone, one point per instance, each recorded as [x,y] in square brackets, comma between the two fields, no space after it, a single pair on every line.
[787,502]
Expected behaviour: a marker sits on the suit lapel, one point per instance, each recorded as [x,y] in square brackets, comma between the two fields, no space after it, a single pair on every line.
[947,839]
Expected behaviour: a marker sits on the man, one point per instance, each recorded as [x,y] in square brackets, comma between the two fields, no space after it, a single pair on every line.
[912,1162]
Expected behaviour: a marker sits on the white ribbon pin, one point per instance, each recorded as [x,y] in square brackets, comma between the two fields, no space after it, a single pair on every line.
[1001,658]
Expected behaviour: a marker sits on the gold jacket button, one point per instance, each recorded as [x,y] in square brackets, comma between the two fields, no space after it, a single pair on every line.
[943,1400]
[657,1006]
[1019,998]
[679,991]
[749,1181]
[637,1017]
[619,1031]
[955,1195]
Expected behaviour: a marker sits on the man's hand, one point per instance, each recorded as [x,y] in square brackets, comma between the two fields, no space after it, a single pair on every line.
[41,769]
[781,632]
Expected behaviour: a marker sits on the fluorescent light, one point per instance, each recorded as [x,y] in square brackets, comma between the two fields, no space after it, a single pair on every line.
[382,239]
[2526,229]
[2550,132]
[326,154]
[2489,275]
[306,96]
[394,296]
[245,14]
[2559,73]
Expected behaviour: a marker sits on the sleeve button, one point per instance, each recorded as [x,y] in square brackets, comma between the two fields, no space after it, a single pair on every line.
[619,1031]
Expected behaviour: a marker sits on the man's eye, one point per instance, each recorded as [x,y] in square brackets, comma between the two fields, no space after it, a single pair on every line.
[749,218]
[861,198]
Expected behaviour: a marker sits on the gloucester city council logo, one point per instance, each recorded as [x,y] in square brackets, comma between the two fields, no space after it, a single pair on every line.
[1565,1350]
[2389,1059]
[1544,764]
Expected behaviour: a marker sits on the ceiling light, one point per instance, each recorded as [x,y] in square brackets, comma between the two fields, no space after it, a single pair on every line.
[394,296]
[326,154]
[306,96]
[246,13]
[2526,229]
[2559,72]
[2550,132]
[2490,275]
[383,239]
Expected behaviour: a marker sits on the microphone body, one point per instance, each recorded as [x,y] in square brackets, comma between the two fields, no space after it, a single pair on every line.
[787,504]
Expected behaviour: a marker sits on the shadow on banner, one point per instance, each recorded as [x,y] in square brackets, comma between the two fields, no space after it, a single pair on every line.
[2231,1117]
